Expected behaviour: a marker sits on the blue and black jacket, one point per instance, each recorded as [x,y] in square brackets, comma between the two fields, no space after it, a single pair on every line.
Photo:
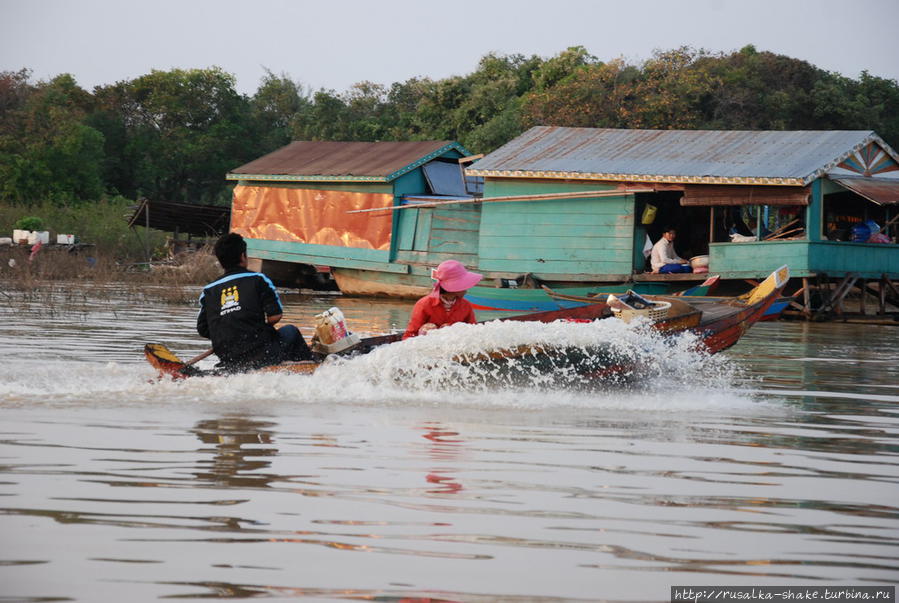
[233,311]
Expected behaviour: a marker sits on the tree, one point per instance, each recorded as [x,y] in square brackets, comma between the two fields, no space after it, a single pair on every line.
[598,95]
[274,109]
[756,90]
[47,152]
[561,67]
[668,91]
[182,131]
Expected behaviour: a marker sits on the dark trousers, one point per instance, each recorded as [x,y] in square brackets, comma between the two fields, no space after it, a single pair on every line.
[293,346]
[674,268]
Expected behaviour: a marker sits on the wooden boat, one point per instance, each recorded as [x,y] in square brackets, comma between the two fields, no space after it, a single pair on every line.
[719,323]
[775,310]
[539,300]
[772,313]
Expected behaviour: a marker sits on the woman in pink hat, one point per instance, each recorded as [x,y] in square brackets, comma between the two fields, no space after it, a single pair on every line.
[445,305]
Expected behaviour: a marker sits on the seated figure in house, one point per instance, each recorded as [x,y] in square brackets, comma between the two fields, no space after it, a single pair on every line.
[664,258]
[877,236]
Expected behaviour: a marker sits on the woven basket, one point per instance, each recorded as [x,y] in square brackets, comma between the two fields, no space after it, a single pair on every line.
[656,312]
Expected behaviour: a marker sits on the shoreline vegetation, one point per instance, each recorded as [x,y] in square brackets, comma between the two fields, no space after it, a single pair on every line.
[59,276]
[108,260]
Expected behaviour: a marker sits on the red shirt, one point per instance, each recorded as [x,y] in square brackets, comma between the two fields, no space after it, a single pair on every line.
[430,309]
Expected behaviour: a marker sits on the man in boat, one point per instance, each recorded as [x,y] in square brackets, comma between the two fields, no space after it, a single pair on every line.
[239,310]
[445,304]
[664,258]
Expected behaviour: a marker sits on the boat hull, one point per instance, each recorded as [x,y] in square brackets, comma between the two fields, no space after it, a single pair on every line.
[545,299]
[537,300]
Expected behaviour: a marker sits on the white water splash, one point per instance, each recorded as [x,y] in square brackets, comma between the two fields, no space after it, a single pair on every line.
[429,364]
[668,373]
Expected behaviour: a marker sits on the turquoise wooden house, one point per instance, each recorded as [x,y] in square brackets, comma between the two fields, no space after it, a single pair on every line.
[312,208]
[583,195]
[572,206]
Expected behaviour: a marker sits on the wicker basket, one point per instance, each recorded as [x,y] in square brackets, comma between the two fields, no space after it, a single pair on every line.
[658,311]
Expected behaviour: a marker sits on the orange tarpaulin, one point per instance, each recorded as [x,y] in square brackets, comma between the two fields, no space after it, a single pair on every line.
[312,216]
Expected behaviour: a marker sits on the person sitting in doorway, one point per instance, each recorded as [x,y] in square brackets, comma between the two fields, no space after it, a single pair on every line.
[445,304]
[239,310]
[664,258]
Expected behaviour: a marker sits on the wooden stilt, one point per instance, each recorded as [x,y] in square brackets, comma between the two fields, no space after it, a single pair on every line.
[862,303]
[839,294]
[891,287]
[806,299]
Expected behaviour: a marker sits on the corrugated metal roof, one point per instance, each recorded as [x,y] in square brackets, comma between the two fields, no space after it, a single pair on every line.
[691,156]
[328,160]
[170,216]
[880,190]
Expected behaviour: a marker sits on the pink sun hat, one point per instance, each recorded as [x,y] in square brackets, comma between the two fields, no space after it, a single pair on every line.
[452,276]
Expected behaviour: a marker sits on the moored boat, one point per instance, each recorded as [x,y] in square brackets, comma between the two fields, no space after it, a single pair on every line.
[544,298]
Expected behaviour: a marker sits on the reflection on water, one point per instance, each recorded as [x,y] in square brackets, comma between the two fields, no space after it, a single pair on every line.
[784,470]
[445,445]
[240,448]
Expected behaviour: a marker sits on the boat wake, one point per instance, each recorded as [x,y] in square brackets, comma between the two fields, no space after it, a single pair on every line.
[526,357]
[606,364]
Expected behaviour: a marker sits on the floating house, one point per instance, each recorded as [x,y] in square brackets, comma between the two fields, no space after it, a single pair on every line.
[578,206]
[311,208]
[807,193]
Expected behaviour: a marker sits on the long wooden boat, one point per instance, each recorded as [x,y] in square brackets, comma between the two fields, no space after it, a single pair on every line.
[772,313]
[540,300]
[718,322]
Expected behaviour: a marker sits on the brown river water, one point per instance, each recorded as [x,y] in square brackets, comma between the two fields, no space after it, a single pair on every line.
[392,478]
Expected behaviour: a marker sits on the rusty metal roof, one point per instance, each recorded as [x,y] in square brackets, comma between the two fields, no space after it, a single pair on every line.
[329,160]
[683,156]
[880,190]
[170,216]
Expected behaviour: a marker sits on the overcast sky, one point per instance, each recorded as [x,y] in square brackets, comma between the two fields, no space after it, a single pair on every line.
[333,43]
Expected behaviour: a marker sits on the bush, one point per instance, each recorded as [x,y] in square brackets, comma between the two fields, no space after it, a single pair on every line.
[29,223]
[103,224]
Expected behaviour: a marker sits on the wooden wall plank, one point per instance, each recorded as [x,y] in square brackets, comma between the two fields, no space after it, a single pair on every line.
[552,267]
[563,236]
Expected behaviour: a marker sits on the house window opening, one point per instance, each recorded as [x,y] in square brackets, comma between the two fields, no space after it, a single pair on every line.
[849,217]
[691,223]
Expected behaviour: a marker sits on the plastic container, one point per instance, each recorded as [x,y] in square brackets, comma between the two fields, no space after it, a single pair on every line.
[20,237]
[65,239]
[699,261]
[42,237]
[331,335]
[860,233]
[348,342]
[330,326]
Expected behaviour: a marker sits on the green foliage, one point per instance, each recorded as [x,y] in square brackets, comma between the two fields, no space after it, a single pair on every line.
[274,107]
[46,149]
[561,67]
[174,134]
[29,223]
[102,224]
[179,132]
